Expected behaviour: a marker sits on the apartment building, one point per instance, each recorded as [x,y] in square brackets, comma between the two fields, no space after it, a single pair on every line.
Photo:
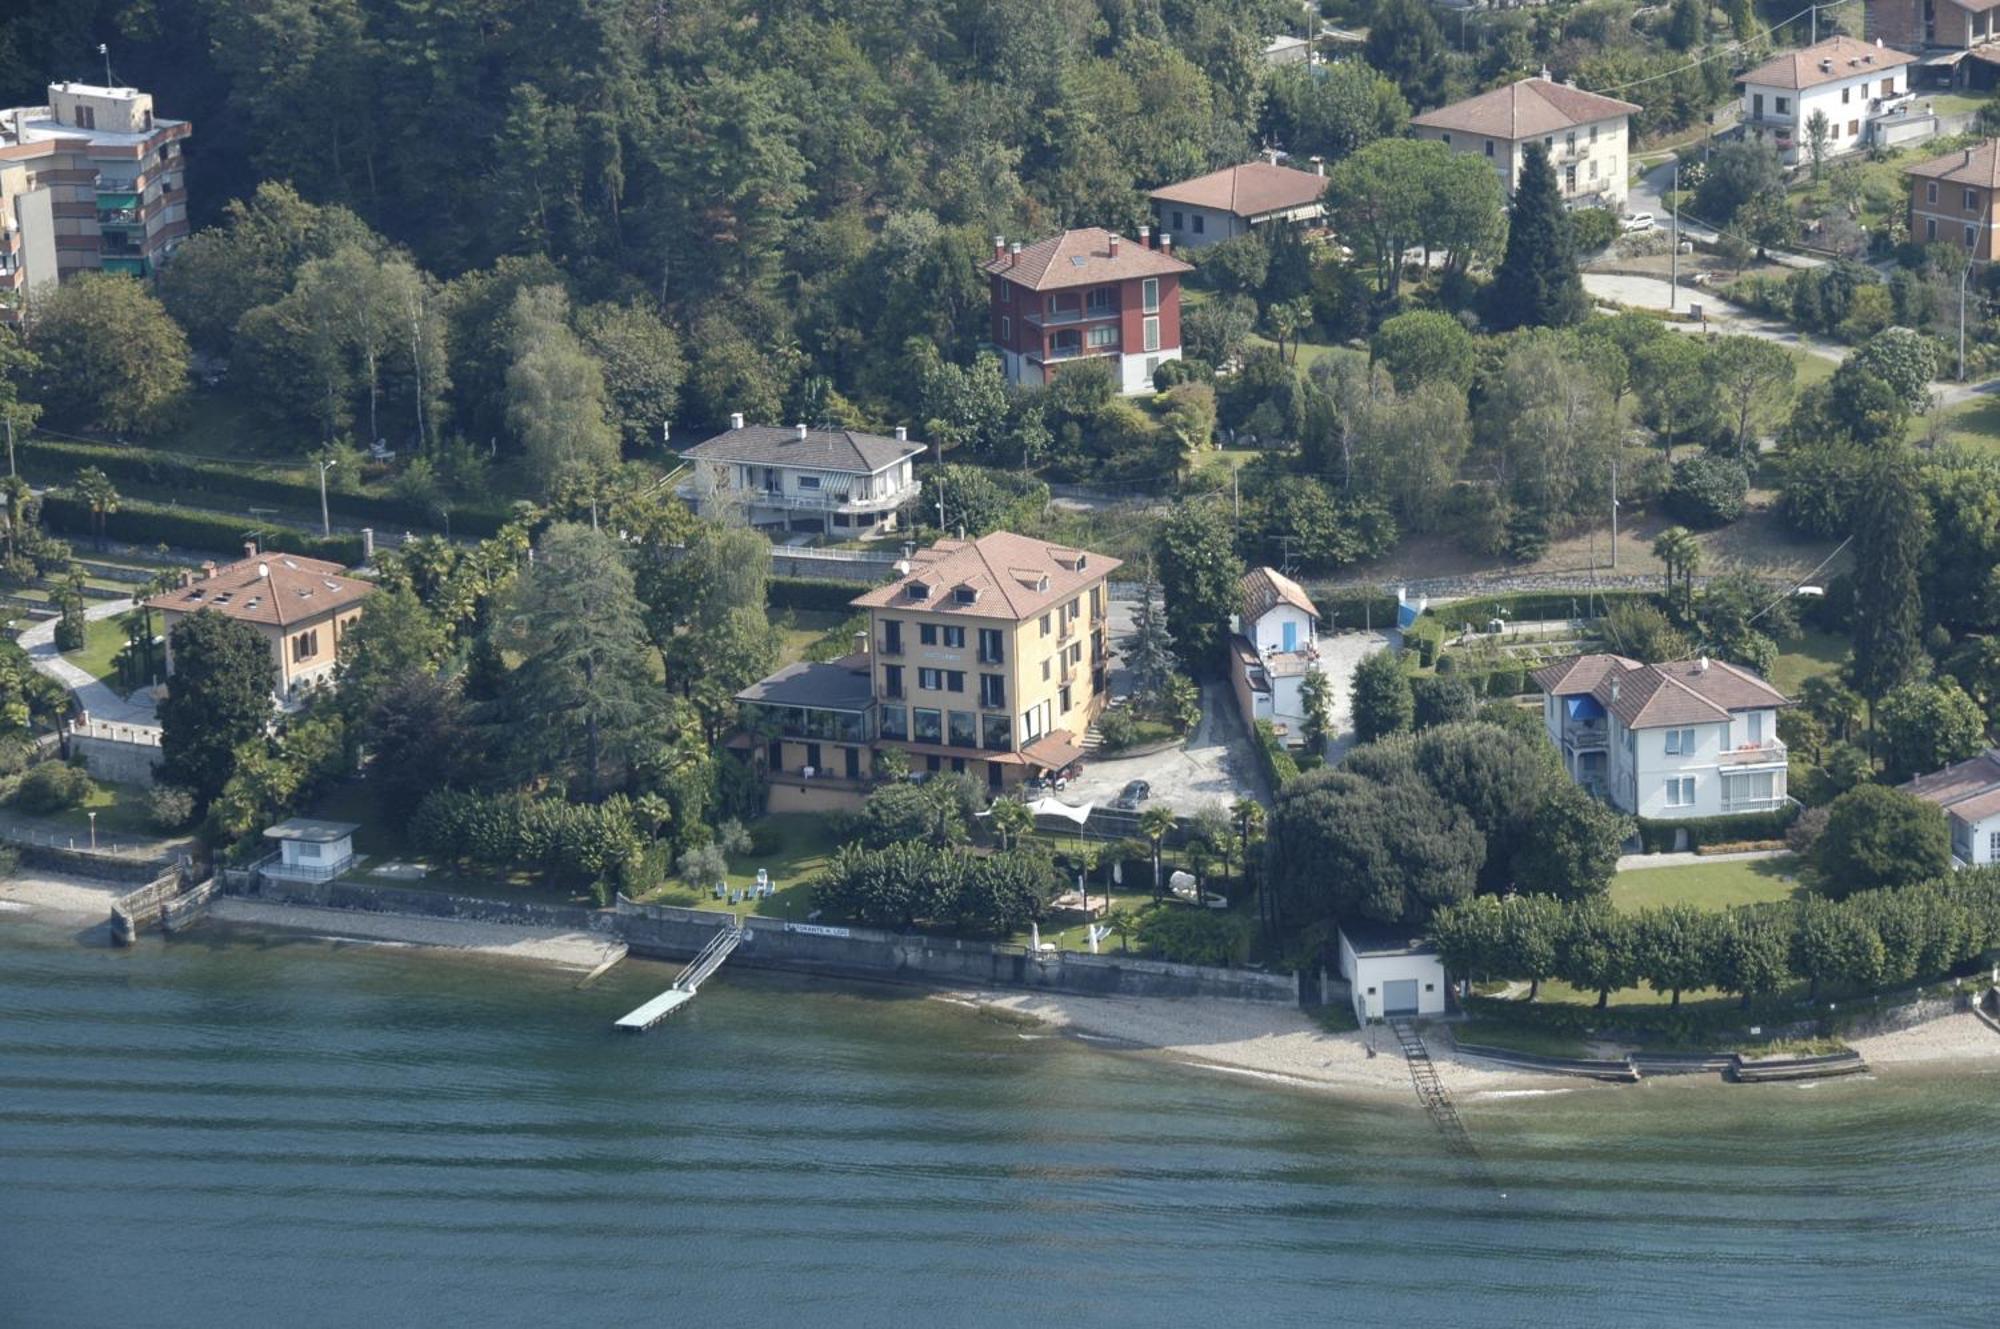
[301,606]
[985,657]
[1690,738]
[1951,199]
[1585,135]
[835,481]
[1862,89]
[1087,295]
[92,181]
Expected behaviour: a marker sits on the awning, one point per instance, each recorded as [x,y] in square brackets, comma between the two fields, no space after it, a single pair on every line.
[1584,707]
[1049,807]
[1053,750]
[1943,61]
[117,201]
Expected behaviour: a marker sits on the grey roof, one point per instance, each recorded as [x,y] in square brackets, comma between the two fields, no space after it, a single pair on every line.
[1383,939]
[842,685]
[819,450]
[311,830]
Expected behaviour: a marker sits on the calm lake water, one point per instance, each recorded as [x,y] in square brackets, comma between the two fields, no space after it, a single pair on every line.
[234,1131]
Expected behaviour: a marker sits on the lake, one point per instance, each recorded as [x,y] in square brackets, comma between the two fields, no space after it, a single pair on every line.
[229,1130]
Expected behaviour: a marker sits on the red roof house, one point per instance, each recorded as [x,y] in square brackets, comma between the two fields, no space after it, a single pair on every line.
[1083,295]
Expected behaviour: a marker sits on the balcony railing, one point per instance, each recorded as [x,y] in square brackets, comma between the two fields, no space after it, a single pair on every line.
[887,647]
[1065,317]
[308,871]
[1759,754]
[1586,735]
[1771,804]
[807,502]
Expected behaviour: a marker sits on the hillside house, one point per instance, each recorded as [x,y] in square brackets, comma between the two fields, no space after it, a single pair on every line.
[1231,202]
[1969,793]
[1087,295]
[301,606]
[835,481]
[1273,646]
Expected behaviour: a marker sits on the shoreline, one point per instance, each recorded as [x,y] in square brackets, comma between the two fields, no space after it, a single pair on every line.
[1270,1042]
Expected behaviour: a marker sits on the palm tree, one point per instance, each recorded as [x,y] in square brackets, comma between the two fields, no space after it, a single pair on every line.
[1681,552]
[1199,859]
[161,582]
[17,494]
[1123,922]
[1155,823]
[1010,819]
[1248,814]
[94,487]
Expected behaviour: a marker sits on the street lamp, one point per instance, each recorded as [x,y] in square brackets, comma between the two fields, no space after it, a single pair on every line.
[1964,273]
[93,831]
[325,522]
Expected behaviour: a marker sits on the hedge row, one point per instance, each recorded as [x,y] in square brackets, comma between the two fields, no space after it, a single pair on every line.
[1278,766]
[1531,606]
[132,467]
[826,594]
[1352,610]
[1506,681]
[138,523]
[1658,836]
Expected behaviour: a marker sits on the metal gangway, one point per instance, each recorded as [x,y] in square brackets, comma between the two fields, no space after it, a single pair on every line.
[1431,1091]
[706,961]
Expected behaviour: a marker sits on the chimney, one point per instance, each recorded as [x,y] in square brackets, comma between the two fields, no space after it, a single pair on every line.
[1114,244]
[736,420]
[249,549]
[207,569]
[1013,253]
[367,544]
[801,427]
[861,642]
[1614,691]
[1319,165]
[263,572]
[1167,244]
[1546,76]
[1145,237]
[902,433]
[999,247]
[1701,665]
[187,578]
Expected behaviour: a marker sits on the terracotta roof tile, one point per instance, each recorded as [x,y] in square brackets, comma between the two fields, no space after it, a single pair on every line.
[1959,781]
[1083,258]
[1829,61]
[1969,166]
[1642,696]
[1579,674]
[1527,109]
[1015,577]
[1250,190]
[276,589]
[1264,589]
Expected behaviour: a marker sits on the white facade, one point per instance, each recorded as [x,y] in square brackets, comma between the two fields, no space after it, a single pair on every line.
[1135,371]
[1282,627]
[1590,160]
[1699,770]
[775,495]
[1851,106]
[1410,981]
[1975,843]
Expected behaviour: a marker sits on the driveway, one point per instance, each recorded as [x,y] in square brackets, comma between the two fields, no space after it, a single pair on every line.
[1338,655]
[97,700]
[1214,769]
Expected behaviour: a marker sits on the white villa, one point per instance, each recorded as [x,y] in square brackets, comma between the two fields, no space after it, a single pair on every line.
[1275,645]
[1863,89]
[1585,134]
[1691,738]
[1969,793]
[830,480]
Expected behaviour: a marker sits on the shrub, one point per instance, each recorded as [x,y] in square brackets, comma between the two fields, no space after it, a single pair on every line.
[53,786]
[1591,229]
[1658,836]
[185,528]
[817,593]
[1279,767]
[1194,936]
[1876,837]
[1707,492]
[169,807]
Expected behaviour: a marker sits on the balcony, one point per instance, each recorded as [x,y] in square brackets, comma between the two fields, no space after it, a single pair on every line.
[1755,754]
[1587,736]
[1059,355]
[804,501]
[1068,317]
[1772,804]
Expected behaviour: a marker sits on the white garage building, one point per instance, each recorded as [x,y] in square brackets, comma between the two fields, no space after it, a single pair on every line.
[1390,972]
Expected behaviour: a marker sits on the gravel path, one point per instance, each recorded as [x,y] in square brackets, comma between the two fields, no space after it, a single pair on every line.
[97,699]
[575,950]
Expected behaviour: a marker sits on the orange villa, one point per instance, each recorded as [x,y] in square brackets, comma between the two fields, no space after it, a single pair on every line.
[301,606]
[1951,199]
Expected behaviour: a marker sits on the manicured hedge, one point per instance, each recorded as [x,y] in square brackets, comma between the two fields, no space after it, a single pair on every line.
[1277,764]
[827,594]
[1507,681]
[1658,835]
[186,528]
[1531,606]
[131,467]
[1351,610]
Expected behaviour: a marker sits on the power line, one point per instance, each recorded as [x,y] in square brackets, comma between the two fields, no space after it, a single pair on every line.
[1730,48]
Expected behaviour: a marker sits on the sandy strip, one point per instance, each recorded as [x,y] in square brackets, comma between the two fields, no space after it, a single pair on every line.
[1258,1039]
[573,950]
[69,898]
[1957,1038]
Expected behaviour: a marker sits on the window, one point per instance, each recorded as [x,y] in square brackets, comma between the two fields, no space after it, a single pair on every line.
[993,691]
[1930,228]
[1930,192]
[1593,133]
[1098,302]
[930,680]
[1757,105]
[1888,87]
[1971,233]
[996,732]
[992,649]
[892,680]
[895,722]
[1846,94]
[1045,625]
[954,637]
[1062,702]
[1759,788]
[1569,142]
[1177,219]
[1200,224]
[809,482]
[1680,742]
[1784,106]
[1149,294]
[1152,367]
[1006,330]
[1993,846]
[1445,139]
[305,645]
[929,725]
[1593,168]
[1489,147]
[964,730]
[1101,338]
[927,634]
[1045,671]
[1971,201]
[1006,293]
[1680,792]
[1151,333]
[1050,306]
[1853,128]
[954,680]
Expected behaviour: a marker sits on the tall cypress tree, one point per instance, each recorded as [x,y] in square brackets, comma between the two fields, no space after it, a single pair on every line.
[1891,528]
[1537,284]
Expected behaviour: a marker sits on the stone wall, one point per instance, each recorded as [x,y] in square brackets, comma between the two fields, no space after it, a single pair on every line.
[118,868]
[118,762]
[666,932]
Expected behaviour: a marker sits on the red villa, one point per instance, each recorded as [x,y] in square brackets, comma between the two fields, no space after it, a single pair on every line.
[1087,294]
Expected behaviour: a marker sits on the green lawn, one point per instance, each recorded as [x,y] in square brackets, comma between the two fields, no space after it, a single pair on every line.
[1956,103]
[1519,1037]
[1812,369]
[1708,885]
[1805,655]
[103,639]
[800,843]
[1974,424]
[121,816]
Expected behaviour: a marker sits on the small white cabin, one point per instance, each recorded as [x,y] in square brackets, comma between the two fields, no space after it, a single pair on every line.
[1390,972]
[310,849]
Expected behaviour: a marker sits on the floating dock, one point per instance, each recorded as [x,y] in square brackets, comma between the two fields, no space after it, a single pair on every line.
[706,962]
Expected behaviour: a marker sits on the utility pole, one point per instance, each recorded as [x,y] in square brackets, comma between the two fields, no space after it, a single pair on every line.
[1236,475]
[325,520]
[10,418]
[1963,274]
[1673,282]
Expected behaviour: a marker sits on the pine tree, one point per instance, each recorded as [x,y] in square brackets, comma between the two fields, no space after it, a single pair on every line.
[1150,653]
[1891,529]
[1537,284]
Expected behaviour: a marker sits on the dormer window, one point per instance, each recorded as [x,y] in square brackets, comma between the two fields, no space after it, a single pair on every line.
[919,590]
[965,595]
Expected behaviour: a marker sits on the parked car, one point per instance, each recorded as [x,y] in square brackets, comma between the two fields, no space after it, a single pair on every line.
[1633,222]
[1132,795]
